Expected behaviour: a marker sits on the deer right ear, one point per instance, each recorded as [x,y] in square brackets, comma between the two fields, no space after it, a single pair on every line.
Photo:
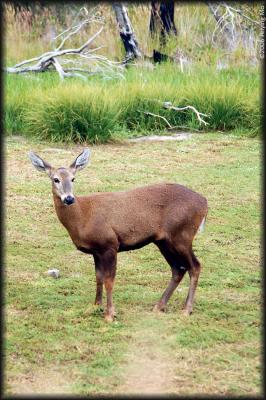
[38,163]
[81,161]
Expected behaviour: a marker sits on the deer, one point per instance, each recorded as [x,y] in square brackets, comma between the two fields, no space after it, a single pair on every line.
[168,215]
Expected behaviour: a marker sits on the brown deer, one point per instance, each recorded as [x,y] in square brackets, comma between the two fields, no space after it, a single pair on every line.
[103,224]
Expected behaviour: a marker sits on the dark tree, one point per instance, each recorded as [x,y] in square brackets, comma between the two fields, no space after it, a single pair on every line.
[162,17]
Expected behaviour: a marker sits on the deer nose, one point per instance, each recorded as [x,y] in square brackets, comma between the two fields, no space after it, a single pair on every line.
[69,200]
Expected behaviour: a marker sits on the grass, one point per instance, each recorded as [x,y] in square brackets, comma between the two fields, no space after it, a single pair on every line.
[100,111]
[56,341]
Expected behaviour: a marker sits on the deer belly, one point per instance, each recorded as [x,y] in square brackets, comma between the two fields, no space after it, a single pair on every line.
[126,246]
[135,238]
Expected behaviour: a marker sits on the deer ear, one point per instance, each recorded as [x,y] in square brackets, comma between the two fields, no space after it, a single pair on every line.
[81,161]
[38,163]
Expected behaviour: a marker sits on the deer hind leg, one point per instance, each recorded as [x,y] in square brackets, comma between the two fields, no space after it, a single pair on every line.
[194,272]
[176,263]
[105,263]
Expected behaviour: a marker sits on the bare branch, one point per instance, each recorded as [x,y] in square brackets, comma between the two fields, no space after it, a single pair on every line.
[222,23]
[158,116]
[71,34]
[241,13]
[78,27]
[169,126]
[63,74]
[58,68]
[32,59]
[85,55]
[49,58]
[88,41]
[52,54]
[230,23]
[85,71]
[95,49]
[92,18]
[168,105]
[198,114]
[40,67]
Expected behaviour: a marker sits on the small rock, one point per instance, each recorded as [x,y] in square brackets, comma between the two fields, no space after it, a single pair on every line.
[54,273]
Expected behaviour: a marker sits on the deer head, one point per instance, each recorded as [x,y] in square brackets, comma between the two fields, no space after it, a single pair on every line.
[62,178]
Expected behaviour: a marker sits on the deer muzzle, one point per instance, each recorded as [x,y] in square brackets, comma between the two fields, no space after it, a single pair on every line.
[69,200]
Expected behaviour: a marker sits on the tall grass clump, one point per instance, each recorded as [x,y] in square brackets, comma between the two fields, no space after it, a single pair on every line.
[14,113]
[74,114]
[100,111]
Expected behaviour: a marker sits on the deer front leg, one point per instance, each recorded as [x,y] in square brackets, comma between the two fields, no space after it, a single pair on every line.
[105,263]
[99,287]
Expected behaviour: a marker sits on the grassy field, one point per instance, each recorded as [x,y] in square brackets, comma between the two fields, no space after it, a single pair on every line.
[57,341]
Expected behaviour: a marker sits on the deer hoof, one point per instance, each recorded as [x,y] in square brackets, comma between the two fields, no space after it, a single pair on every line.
[158,308]
[109,318]
[98,307]
[186,313]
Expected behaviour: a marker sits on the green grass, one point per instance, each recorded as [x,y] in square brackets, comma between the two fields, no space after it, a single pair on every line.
[100,111]
[56,341]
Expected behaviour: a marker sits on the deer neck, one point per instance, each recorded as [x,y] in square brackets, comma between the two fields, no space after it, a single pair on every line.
[70,216]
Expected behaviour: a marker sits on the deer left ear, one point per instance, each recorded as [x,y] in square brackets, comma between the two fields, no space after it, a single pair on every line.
[39,163]
[81,161]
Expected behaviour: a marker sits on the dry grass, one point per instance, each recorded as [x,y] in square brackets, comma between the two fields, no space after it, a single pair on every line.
[194,23]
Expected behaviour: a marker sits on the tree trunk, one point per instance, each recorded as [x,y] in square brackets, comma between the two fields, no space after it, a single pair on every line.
[126,32]
[162,17]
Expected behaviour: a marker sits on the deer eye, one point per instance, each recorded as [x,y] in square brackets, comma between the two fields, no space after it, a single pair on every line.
[56,180]
[73,179]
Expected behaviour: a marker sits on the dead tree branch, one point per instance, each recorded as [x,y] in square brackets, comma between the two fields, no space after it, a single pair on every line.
[169,105]
[231,23]
[158,116]
[48,59]
[75,29]
[225,27]
[240,12]
[51,59]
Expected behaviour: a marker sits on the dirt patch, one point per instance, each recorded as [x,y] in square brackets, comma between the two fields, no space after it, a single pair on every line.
[161,138]
[149,373]
[40,382]
[149,367]
[12,312]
